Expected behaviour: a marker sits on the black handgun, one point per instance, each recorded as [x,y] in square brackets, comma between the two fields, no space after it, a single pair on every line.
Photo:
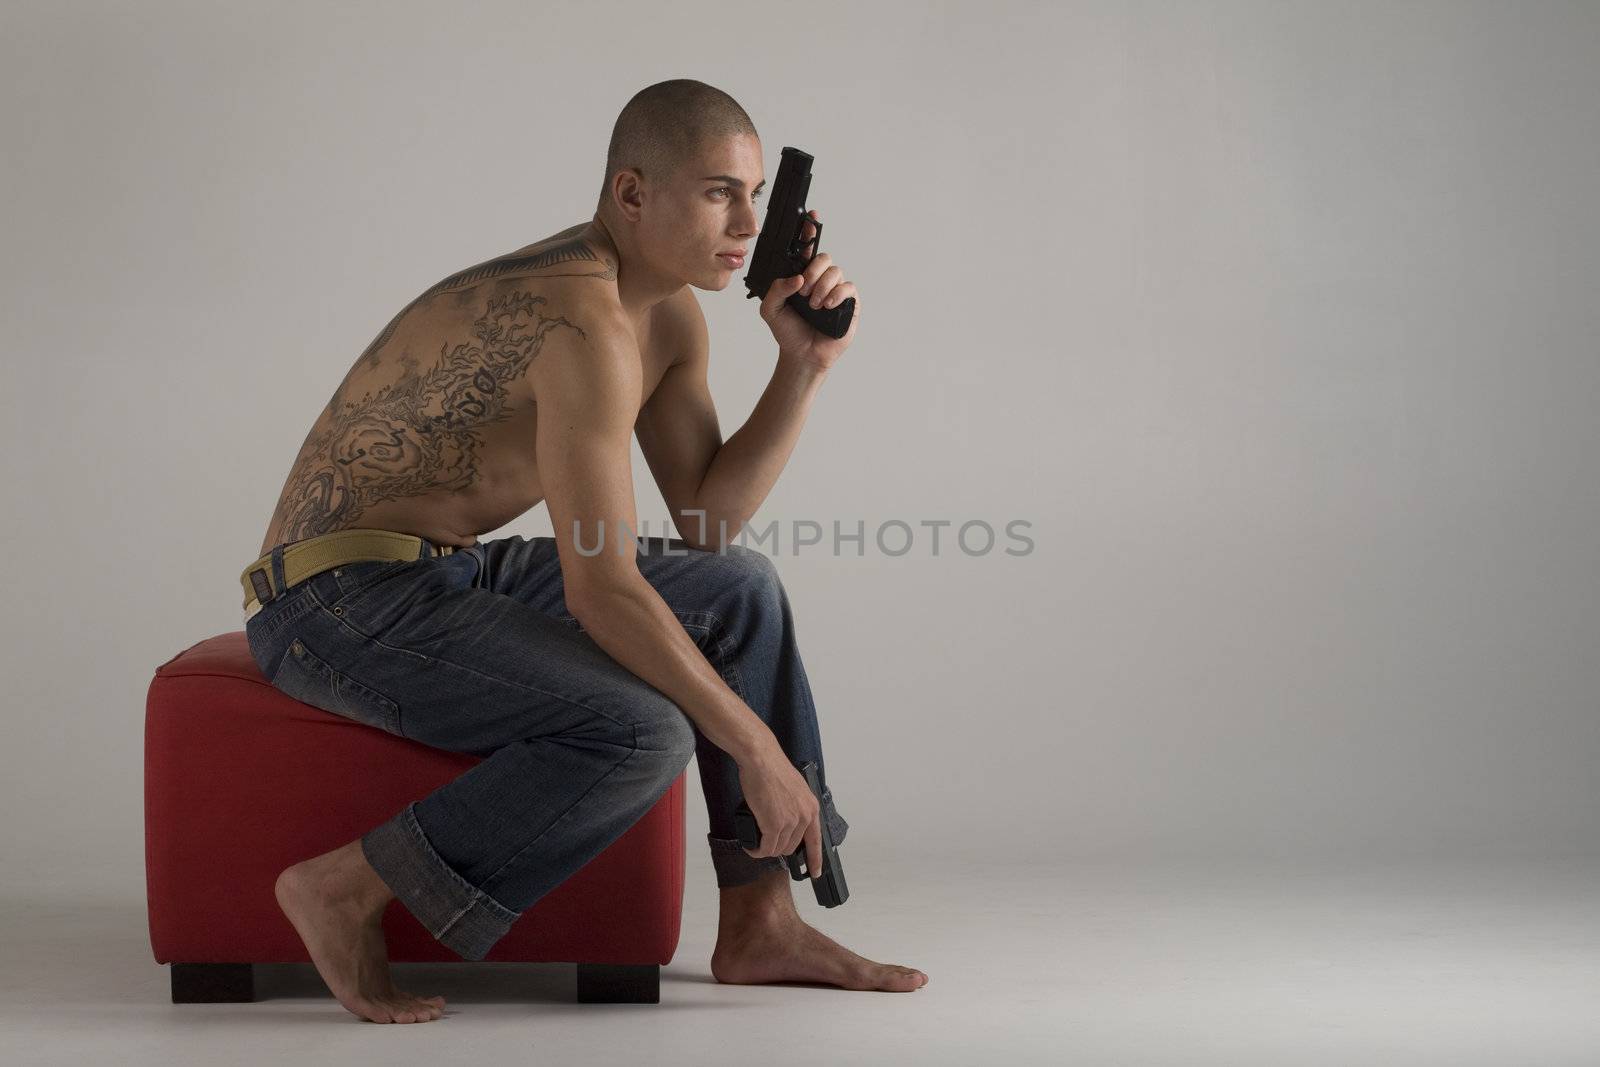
[830,886]
[781,254]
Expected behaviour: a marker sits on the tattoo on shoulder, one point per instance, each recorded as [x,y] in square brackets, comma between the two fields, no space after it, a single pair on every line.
[575,250]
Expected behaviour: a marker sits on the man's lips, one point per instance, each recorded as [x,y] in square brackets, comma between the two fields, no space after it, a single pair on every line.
[730,259]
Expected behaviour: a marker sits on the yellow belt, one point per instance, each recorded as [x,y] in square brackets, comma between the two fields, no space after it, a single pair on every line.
[302,559]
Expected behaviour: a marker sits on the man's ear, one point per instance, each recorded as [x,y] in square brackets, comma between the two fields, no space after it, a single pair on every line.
[628,193]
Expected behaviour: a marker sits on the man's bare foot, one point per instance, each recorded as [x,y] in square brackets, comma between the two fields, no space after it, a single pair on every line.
[786,949]
[761,938]
[336,905]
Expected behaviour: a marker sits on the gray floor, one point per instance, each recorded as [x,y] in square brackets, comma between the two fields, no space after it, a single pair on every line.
[1056,962]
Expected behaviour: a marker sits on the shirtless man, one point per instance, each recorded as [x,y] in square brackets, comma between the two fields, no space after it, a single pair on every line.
[517,408]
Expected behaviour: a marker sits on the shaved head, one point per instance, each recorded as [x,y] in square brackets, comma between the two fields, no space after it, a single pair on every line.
[669,124]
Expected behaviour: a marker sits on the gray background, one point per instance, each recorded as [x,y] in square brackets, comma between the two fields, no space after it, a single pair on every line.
[1274,320]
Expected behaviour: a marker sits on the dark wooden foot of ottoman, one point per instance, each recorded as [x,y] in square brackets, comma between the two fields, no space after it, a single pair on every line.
[212,983]
[611,983]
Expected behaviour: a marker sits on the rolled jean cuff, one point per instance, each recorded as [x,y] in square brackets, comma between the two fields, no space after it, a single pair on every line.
[735,867]
[460,916]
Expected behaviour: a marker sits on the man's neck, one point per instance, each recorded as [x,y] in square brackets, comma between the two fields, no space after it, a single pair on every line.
[638,289]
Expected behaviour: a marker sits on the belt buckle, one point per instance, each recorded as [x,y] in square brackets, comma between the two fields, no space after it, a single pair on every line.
[261,582]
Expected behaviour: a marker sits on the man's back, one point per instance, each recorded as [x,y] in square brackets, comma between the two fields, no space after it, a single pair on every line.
[432,429]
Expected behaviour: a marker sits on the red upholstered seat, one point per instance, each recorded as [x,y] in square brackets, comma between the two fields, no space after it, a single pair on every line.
[242,781]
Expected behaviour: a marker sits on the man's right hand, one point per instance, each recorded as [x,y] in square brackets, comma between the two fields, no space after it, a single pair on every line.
[784,806]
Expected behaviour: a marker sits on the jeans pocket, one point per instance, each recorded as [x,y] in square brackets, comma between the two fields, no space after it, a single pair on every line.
[309,679]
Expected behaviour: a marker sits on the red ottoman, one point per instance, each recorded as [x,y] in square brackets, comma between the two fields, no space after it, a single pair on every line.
[242,781]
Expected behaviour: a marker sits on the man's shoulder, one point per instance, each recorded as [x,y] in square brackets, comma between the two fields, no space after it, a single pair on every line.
[595,317]
[586,341]
[680,326]
[682,310]
[561,270]
[676,324]
[565,255]
[544,311]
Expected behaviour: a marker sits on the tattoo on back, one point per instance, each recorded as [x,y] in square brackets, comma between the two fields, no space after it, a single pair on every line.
[422,433]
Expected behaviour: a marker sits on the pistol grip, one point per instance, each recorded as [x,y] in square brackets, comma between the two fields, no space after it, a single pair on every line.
[834,322]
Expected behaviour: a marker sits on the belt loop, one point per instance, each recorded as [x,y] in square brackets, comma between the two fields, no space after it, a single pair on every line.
[424,548]
[278,580]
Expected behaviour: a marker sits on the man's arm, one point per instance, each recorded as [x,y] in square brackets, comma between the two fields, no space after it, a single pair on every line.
[587,391]
[680,439]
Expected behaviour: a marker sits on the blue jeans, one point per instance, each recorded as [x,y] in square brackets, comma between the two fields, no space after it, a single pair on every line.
[476,652]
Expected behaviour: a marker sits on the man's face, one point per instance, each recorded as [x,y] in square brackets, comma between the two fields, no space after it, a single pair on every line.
[712,205]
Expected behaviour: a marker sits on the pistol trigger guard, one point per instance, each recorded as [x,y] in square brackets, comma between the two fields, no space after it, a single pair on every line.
[815,241]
